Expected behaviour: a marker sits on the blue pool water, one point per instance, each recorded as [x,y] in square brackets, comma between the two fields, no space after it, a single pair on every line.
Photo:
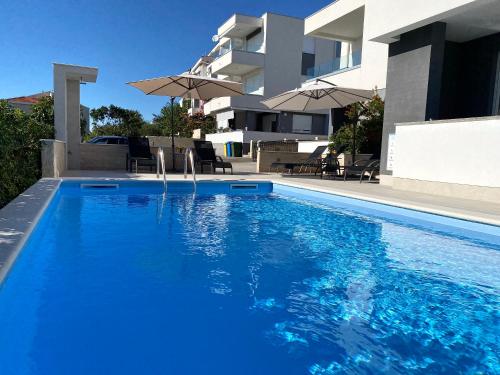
[230,282]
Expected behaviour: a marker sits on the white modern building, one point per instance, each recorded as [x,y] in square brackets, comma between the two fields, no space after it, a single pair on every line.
[269,55]
[199,69]
[359,62]
[438,66]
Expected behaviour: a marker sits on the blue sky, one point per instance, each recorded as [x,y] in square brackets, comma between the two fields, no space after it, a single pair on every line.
[126,40]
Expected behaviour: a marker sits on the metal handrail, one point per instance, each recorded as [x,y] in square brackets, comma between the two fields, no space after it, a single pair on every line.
[189,153]
[160,159]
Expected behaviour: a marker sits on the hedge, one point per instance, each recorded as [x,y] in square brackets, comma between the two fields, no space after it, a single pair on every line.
[20,134]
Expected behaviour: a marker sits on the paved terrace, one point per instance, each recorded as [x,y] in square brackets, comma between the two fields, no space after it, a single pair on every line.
[484,212]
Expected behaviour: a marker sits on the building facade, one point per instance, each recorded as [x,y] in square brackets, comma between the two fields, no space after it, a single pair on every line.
[437,66]
[359,62]
[269,55]
[443,62]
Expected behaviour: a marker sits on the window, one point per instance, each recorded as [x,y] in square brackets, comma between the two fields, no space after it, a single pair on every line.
[255,41]
[308,60]
[302,124]
[309,45]
[254,83]
[496,95]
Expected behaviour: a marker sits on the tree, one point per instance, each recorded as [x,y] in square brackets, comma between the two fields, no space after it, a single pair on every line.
[368,120]
[114,120]
[199,120]
[164,120]
[20,147]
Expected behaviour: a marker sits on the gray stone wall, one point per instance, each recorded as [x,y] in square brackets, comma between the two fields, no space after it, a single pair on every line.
[414,74]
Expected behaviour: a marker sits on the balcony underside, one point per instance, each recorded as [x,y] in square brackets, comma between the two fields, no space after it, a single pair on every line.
[337,22]
[239,26]
[237,63]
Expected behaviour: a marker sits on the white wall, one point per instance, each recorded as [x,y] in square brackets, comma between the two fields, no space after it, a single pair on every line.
[310,146]
[400,19]
[451,151]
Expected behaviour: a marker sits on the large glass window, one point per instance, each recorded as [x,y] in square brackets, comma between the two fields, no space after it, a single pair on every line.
[255,41]
[302,124]
[254,83]
[308,60]
[496,96]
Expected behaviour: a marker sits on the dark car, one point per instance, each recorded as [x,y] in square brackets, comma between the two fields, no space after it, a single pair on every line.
[109,140]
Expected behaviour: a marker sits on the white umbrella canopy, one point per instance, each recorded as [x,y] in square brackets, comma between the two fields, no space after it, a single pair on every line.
[189,86]
[319,95]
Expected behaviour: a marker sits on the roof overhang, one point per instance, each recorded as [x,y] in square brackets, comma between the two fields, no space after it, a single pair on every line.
[76,72]
[467,20]
[239,26]
[342,20]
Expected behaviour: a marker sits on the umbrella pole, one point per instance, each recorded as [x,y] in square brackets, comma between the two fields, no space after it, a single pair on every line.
[172,99]
[354,142]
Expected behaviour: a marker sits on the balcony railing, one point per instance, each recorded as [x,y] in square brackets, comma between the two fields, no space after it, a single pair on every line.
[336,65]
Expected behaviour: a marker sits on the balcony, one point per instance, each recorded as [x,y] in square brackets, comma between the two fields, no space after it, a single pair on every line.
[239,26]
[336,65]
[250,102]
[234,62]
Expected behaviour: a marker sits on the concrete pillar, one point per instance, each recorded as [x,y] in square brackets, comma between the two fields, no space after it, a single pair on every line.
[73,123]
[67,80]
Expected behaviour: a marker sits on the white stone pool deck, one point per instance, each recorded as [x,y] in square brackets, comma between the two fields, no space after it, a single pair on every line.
[19,217]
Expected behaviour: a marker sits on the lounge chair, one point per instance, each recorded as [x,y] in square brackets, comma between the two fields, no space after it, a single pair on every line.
[331,167]
[361,167]
[205,155]
[313,161]
[140,154]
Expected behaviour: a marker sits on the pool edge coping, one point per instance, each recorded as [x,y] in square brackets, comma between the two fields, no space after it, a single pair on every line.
[19,218]
[395,203]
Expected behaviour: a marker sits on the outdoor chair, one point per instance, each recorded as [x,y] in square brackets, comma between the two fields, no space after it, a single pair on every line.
[331,167]
[140,154]
[362,167]
[313,162]
[205,155]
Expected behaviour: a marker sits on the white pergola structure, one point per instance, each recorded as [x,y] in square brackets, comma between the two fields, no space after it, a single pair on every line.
[67,80]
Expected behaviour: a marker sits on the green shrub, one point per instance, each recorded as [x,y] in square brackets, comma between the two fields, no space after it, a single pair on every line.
[20,134]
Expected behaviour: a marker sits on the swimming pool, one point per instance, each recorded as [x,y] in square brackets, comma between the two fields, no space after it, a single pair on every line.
[247,278]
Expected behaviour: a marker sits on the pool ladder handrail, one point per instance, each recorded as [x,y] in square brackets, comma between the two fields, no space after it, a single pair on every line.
[188,154]
[160,160]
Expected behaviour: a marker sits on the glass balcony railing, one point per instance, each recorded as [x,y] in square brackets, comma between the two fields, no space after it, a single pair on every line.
[336,65]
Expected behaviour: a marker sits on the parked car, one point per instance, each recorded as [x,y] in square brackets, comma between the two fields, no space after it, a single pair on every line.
[109,140]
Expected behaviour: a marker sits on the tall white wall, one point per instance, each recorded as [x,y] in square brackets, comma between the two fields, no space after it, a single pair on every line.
[284,41]
[450,151]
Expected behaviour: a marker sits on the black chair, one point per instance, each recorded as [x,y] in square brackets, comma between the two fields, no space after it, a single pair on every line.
[361,167]
[331,167]
[140,154]
[313,162]
[205,155]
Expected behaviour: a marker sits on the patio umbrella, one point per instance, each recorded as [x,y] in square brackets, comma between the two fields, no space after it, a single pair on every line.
[319,95]
[187,86]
